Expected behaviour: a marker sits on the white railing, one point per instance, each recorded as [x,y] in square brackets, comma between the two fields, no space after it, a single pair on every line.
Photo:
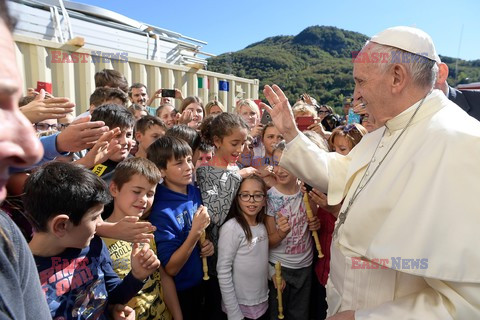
[40,60]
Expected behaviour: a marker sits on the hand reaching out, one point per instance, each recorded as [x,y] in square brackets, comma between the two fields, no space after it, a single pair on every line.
[42,108]
[80,134]
[128,229]
[102,150]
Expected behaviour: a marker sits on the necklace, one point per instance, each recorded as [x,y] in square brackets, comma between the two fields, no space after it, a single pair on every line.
[343,215]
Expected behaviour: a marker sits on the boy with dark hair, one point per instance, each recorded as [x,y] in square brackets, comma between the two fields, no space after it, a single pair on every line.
[105,95]
[190,135]
[112,79]
[114,116]
[206,152]
[132,188]
[115,150]
[180,220]
[147,130]
[64,202]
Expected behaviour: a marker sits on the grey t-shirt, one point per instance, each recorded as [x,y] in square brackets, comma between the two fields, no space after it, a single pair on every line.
[21,296]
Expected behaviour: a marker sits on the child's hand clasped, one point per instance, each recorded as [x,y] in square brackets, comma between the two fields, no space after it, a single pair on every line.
[201,220]
[313,223]
[283,225]
[284,284]
[144,261]
[206,248]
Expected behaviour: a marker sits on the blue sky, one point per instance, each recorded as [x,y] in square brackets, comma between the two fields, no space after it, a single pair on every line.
[232,25]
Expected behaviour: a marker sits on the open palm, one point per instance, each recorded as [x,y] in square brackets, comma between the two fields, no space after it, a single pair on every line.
[280,111]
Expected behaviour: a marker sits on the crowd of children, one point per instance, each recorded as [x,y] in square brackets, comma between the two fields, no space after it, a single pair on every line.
[202,189]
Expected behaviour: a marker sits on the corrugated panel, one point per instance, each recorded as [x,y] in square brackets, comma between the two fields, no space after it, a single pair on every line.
[76,80]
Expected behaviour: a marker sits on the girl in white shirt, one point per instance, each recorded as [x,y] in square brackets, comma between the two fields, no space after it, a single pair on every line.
[242,265]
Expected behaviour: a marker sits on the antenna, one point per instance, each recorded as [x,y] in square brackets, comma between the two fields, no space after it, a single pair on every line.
[458,54]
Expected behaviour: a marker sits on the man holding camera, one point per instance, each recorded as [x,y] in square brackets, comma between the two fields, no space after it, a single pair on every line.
[137,93]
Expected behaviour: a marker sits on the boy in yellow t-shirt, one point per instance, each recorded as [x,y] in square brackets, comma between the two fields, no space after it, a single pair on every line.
[133,188]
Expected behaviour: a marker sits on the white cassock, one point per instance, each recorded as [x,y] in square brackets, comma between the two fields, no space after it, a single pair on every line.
[420,213]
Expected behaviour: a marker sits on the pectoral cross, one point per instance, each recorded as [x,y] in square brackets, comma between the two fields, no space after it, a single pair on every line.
[342,216]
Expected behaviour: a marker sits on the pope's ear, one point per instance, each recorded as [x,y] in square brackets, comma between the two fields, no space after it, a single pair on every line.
[59,225]
[400,76]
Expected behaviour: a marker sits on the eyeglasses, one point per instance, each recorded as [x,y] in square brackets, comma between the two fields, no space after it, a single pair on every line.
[41,126]
[256,197]
[323,111]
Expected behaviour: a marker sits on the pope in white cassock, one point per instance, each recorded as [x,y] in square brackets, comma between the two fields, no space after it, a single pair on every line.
[410,190]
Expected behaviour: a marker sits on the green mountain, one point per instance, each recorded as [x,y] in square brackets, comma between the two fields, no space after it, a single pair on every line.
[318,61]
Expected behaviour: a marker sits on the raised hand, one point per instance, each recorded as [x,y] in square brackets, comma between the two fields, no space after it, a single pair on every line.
[144,261]
[178,94]
[80,134]
[42,108]
[308,99]
[102,150]
[257,130]
[185,118]
[281,112]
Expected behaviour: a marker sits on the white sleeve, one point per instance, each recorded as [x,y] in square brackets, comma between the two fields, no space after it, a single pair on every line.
[228,245]
[442,300]
[307,162]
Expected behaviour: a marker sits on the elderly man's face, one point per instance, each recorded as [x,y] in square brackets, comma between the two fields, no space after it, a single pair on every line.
[371,87]
[18,144]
